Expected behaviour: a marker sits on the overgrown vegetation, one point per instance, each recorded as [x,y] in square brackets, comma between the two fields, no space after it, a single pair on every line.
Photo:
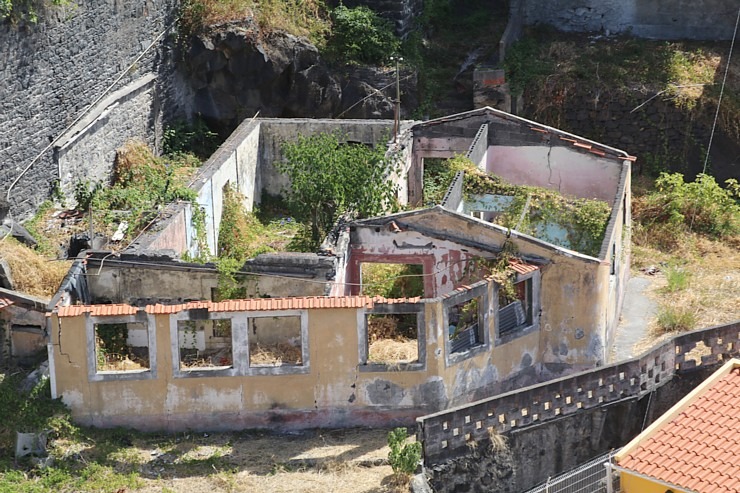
[551,68]
[32,273]
[674,208]
[330,178]
[404,456]
[89,460]
[142,184]
[531,208]
[359,35]
[25,10]
[307,18]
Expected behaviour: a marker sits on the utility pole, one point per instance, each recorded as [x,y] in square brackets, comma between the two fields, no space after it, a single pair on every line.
[397,111]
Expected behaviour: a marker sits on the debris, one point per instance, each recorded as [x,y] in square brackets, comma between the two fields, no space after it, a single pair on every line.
[651,270]
[118,235]
[30,444]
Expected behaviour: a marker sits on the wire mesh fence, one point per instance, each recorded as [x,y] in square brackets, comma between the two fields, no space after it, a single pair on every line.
[591,477]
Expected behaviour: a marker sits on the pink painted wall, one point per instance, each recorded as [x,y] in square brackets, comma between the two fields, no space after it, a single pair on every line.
[559,168]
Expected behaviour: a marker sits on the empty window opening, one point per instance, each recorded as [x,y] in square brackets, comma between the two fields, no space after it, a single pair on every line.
[205,344]
[393,339]
[392,280]
[516,310]
[275,341]
[464,327]
[121,347]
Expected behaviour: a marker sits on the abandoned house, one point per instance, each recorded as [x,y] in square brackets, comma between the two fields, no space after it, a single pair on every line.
[139,338]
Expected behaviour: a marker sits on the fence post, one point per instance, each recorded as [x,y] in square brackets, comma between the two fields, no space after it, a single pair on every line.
[609,481]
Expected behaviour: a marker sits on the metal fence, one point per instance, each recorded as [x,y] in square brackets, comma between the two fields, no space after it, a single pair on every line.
[592,477]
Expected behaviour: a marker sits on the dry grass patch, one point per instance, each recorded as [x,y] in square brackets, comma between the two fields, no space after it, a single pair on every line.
[278,354]
[32,273]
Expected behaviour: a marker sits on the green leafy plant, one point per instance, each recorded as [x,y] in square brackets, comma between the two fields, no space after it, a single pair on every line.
[677,207]
[183,137]
[329,178]
[403,457]
[360,35]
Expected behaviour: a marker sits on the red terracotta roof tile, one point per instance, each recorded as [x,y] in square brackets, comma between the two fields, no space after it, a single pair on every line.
[521,267]
[5,302]
[96,310]
[697,450]
[258,304]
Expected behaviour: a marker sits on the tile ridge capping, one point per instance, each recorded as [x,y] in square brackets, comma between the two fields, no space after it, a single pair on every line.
[677,409]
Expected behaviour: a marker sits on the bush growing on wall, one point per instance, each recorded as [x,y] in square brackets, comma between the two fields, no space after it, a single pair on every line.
[329,178]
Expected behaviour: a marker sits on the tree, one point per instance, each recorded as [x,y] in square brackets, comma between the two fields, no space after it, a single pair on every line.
[329,178]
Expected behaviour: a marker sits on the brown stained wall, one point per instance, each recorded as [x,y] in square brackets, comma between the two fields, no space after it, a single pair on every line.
[574,294]
[334,390]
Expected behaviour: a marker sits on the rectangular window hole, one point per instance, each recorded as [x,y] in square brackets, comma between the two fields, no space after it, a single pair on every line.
[535,417]
[611,387]
[455,432]
[275,341]
[512,423]
[590,394]
[478,425]
[621,375]
[579,405]
[632,381]
[467,419]
[502,418]
[558,411]
[463,325]
[601,382]
[392,339]
[517,306]
[205,344]
[444,443]
[444,425]
[121,347]
[547,406]
[525,411]
[568,400]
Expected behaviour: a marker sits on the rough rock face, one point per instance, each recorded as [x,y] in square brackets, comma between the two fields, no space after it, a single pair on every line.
[235,71]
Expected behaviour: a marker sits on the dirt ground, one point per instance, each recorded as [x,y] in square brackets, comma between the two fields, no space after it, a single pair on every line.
[339,461]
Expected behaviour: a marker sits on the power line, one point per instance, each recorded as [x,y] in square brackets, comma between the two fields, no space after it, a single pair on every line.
[721,92]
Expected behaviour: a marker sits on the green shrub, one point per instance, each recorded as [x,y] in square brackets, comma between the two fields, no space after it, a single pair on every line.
[194,137]
[403,457]
[701,206]
[676,319]
[329,178]
[360,35]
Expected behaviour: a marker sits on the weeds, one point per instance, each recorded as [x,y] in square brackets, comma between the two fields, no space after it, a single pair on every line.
[678,279]
[675,319]
[404,457]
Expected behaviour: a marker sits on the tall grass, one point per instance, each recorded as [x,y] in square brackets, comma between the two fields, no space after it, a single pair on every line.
[676,319]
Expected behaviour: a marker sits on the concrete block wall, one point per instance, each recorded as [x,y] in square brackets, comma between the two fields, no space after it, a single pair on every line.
[54,69]
[447,434]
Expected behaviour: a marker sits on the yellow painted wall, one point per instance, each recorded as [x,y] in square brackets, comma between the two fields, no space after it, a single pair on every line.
[335,383]
[631,483]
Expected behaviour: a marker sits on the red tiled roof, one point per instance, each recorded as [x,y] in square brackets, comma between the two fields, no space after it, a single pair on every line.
[521,267]
[255,304]
[698,449]
[5,302]
[96,310]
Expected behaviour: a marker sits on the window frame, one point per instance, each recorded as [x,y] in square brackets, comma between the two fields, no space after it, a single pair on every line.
[391,309]
[240,345]
[238,338]
[141,317]
[284,369]
[535,278]
[481,290]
